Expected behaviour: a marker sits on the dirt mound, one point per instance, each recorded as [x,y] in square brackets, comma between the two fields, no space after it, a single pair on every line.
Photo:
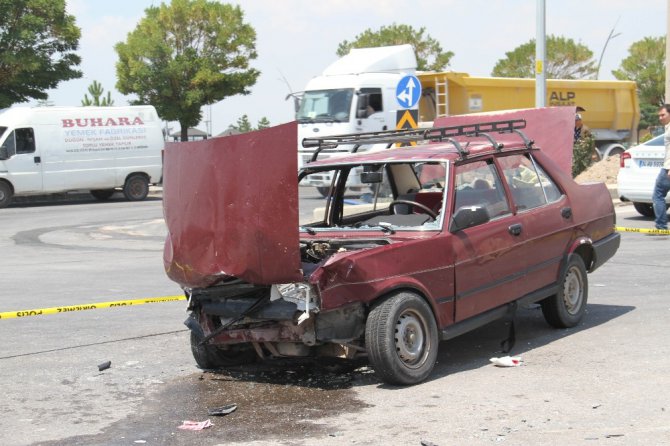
[604,170]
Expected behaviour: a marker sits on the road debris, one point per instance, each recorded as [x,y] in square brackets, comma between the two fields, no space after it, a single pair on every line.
[104,366]
[507,361]
[223,410]
[195,425]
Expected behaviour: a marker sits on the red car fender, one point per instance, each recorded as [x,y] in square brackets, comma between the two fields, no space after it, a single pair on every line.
[582,246]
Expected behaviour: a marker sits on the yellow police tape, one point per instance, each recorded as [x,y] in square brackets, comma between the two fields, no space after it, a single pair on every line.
[152,300]
[644,231]
[93,306]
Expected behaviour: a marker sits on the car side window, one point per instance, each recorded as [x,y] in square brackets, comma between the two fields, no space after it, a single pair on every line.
[25,140]
[531,187]
[478,184]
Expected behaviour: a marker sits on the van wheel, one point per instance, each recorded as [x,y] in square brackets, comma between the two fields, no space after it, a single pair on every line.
[212,357]
[401,339]
[566,308]
[136,188]
[6,194]
[323,190]
[644,209]
[102,194]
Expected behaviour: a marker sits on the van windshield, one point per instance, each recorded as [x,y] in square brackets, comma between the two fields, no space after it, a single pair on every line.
[326,105]
[2,131]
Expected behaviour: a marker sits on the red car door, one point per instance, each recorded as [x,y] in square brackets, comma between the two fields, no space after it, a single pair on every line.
[490,263]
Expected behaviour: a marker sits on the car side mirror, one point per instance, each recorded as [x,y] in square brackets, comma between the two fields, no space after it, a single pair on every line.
[3,153]
[468,216]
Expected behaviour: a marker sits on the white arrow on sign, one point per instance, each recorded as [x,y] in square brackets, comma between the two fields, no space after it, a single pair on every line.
[406,95]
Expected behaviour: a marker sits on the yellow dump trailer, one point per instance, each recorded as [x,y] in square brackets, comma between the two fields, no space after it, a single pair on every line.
[612,108]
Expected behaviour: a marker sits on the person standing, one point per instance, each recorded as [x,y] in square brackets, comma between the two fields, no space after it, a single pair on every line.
[662,185]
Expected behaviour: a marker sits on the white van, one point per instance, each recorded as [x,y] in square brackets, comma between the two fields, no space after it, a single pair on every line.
[47,150]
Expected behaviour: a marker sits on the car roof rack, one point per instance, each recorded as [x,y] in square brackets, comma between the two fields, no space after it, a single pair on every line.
[434,134]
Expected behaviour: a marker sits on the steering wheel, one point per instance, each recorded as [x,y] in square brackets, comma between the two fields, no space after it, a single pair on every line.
[423,207]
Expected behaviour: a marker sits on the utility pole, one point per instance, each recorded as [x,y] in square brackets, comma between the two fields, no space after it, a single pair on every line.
[541,55]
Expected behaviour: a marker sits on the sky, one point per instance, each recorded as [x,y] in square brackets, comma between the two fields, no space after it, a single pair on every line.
[297,39]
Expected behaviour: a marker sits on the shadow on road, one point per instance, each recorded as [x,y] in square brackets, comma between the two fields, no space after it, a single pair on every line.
[473,350]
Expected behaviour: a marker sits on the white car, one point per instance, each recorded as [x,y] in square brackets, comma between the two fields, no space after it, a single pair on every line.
[639,167]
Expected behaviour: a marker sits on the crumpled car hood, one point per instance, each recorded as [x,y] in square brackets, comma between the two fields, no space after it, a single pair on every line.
[552,129]
[231,209]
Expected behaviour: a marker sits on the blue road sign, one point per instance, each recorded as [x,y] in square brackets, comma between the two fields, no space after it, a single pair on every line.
[408,91]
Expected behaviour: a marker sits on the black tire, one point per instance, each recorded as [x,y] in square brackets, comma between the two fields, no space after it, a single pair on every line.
[401,339]
[323,191]
[644,209]
[6,194]
[136,188]
[212,357]
[102,194]
[566,308]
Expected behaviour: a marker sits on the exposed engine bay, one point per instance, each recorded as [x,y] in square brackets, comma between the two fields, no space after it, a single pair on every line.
[315,251]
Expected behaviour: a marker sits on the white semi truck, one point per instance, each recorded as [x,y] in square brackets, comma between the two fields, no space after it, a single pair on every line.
[362,92]
[357,93]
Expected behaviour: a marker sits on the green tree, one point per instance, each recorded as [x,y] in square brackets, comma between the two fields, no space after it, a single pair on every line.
[429,54]
[645,65]
[96,91]
[243,125]
[565,60]
[648,116]
[263,123]
[185,55]
[37,40]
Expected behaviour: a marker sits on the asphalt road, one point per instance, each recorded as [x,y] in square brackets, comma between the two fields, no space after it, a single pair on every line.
[605,382]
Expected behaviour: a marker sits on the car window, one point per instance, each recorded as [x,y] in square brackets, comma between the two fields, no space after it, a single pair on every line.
[478,184]
[530,185]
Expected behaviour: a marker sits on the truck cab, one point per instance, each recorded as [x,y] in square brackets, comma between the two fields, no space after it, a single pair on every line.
[356,94]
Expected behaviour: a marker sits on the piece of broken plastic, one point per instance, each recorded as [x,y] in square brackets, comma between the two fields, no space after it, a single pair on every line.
[224,410]
[507,361]
[195,425]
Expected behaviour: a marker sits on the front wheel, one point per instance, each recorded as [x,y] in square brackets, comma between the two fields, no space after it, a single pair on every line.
[136,188]
[6,194]
[644,209]
[566,308]
[401,339]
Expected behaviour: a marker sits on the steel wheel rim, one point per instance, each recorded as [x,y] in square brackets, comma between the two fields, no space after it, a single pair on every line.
[411,341]
[573,291]
[136,188]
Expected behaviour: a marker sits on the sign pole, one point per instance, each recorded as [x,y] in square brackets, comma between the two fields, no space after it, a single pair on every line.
[540,56]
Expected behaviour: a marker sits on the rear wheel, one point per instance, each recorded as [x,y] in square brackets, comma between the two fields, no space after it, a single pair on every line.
[323,191]
[566,308]
[136,188]
[401,339]
[644,209]
[212,357]
[6,194]
[102,194]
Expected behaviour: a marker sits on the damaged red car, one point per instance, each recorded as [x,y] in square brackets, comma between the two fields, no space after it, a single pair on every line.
[413,244]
